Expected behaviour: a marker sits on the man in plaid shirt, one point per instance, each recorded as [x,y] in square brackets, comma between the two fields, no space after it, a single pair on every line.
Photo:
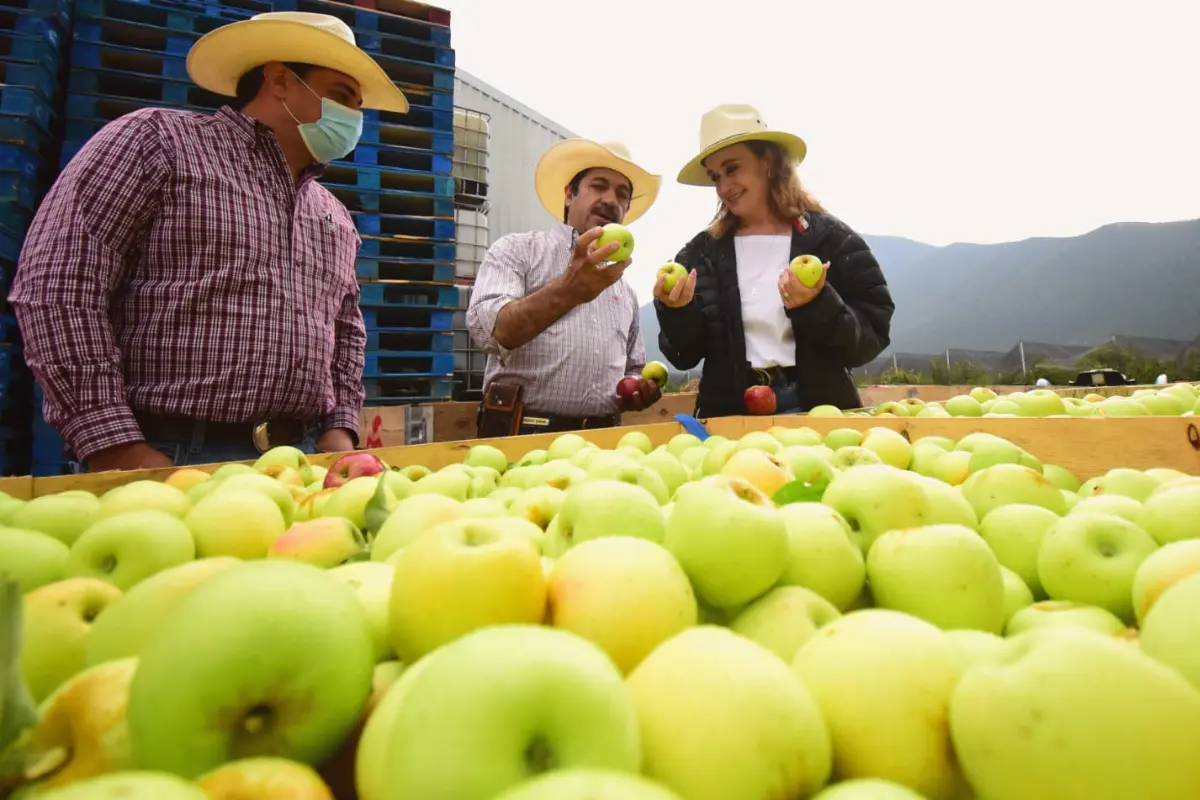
[187,292]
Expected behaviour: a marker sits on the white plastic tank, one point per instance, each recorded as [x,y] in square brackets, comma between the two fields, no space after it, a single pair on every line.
[471,134]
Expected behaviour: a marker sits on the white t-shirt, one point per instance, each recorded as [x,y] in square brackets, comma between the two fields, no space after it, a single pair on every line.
[770,341]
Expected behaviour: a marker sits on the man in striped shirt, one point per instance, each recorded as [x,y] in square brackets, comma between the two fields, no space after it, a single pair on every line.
[187,293]
[553,316]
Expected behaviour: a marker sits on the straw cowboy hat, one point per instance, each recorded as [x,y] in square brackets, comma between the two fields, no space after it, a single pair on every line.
[728,125]
[562,162]
[221,57]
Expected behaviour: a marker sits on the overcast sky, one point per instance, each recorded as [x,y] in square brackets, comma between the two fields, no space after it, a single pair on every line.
[937,121]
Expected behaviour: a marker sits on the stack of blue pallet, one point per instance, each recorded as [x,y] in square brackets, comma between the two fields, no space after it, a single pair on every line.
[32,36]
[131,54]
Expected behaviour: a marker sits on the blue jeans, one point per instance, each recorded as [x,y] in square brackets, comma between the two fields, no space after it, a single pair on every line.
[787,401]
[189,452]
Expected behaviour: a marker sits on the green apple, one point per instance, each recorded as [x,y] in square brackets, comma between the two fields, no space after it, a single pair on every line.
[1061,613]
[851,456]
[925,456]
[125,626]
[588,784]
[1171,513]
[539,505]
[81,728]
[933,410]
[714,457]
[143,495]
[672,471]
[32,559]
[1016,594]
[949,506]
[867,789]
[1128,482]
[1041,403]
[1004,484]
[784,619]
[372,584]
[273,489]
[637,439]
[57,621]
[483,507]
[976,647]
[892,408]
[459,577]
[1092,559]
[521,699]
[963,405]
[130,547]
[267,778]
[953,468]
[1015,533]
[655,372]
[1165,476]
[9,506]
[877,498]
[455,484]
[505,496]
[486,455]
[884,682]
[273,658]
[944,574]
[240,523]
[822,555]
[324,542]
[287,456]
[635,474]
[1117,504]
[825,410]
[1121,407]
[414,472]
[129,785]
[758,440]
[892,448]
[722,717]
[655,602]
[797,437]
[411,518]
[671,273]
[615,232]
[1164,405]
[808,269]
[1110,722]
[1161,570]
[566,445]
[532,458]
[1171,629]
[811,464]
[729,538]
[64,515]
[603,508]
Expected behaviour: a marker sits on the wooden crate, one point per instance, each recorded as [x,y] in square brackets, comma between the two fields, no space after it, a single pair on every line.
[1088,446]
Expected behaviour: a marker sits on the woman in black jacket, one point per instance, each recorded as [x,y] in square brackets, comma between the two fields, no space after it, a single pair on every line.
[741,309]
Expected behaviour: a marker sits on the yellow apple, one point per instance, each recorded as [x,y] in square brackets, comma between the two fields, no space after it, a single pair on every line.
[626,594]
[784,619]
[58,619]
[762,470]
[884,681]
[892,448]
[1170,633]
[264,778]
[1161,570]
[722,717]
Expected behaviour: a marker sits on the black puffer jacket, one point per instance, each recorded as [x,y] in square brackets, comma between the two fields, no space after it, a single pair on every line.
[845,326]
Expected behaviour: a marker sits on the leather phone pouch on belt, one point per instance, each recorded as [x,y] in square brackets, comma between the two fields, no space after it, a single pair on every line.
[501,411]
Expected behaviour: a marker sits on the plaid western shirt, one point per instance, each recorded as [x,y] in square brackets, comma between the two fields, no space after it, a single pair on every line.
[573,367]
[175,268]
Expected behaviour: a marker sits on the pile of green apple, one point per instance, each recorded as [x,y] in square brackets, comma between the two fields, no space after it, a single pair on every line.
[1175,400]
[844,615]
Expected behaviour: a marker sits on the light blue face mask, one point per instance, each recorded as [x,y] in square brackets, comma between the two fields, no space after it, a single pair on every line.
[335,134]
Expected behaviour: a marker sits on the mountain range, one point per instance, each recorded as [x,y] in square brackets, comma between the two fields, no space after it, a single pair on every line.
[1128,279]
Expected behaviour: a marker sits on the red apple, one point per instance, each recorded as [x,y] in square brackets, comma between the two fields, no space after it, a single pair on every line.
[759,400]
[351,466]
[628,388]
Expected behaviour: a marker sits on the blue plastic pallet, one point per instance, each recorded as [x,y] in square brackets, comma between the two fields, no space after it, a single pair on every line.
[30,76]
[369,269]
[90,87]
[15,217]
[396,391]
[34,23]
[128,61]
[384,44]
[436,141]
[387,248]
[407,364]
[416,203]
[181,17]
[365,21]
[373,178]
[16,188]
[410,341]
[415,295]
[121,33]
[395,225]
[42,50]
[400,318]
[45,8]
[8,329]
[409,159]
[10,243]
[21,102]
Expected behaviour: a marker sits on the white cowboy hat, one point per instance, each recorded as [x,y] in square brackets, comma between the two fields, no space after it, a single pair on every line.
[221,57]
[728,125]
[561,163]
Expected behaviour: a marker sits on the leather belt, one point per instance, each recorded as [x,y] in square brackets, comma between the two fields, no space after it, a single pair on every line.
[263,435]
[772,376]
[554,423]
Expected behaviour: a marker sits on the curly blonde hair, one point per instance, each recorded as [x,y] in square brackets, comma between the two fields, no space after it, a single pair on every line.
[787,198]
